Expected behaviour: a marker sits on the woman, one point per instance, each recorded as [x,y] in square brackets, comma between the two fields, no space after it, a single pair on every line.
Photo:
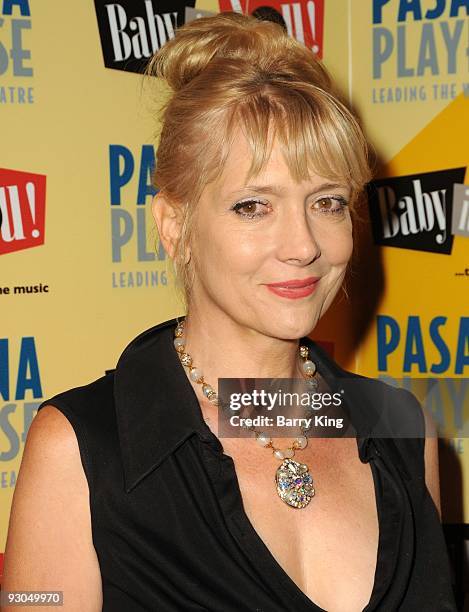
[260,168]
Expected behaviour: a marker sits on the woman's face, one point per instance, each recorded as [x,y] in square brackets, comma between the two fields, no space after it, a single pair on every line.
[273,230]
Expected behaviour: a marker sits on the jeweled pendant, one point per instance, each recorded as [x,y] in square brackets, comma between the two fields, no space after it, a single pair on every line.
[294,483]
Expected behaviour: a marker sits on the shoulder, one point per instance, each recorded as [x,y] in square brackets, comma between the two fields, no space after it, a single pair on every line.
[51,475]
[82,417]
[51,451]
[52,430]
[84,397]
[87,407]
[393,417]
[387,409]
[99,393]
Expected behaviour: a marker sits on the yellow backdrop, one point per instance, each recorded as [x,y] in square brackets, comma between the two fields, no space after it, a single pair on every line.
[78,273]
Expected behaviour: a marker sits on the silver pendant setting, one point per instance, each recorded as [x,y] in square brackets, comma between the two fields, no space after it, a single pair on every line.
[294,483]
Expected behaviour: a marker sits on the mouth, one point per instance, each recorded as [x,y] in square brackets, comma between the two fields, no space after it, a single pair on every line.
[296,283]
[294,289]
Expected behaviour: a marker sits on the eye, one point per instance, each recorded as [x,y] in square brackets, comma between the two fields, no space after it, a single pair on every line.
[333,205]
[250,208]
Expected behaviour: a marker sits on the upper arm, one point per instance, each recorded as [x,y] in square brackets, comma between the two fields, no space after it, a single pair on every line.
[432,479]
[49,543]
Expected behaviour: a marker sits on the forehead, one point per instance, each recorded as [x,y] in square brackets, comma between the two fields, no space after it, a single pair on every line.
[234,175]
[239,160]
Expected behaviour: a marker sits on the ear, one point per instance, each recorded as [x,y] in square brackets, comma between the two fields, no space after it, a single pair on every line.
[167,216]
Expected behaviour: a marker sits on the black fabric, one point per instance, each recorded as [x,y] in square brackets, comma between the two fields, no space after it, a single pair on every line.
[167,515]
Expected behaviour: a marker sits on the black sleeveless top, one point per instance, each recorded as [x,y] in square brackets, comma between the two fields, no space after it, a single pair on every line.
[167,516]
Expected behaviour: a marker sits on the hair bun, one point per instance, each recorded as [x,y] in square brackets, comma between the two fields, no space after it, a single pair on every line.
[225,35]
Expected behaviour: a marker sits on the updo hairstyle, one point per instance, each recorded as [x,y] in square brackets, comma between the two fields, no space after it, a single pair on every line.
[233,71]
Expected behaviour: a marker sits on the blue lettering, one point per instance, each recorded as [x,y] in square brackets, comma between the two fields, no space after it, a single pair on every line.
[23,5]
[378,10]
[4,370]
[119,177]
[147,166]
[436,12]
[458,4]
[440,344]
[414,335]
[409,6]
[414,9]
[28,360]
[386,346]
[462,350]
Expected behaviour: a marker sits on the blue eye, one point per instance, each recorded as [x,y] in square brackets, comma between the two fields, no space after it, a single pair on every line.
[250,206]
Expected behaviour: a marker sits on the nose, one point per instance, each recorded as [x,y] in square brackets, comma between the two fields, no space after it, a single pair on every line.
[297,242]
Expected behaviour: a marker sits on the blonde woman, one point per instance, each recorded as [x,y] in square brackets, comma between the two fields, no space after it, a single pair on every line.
[127,498]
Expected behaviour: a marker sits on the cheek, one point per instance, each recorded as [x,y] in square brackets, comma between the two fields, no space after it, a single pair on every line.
[337,246]
[227,252]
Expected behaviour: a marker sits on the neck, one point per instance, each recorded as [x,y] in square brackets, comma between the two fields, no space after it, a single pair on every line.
[222,348]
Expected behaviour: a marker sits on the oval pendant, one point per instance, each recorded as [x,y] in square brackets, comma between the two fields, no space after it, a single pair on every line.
[294,483]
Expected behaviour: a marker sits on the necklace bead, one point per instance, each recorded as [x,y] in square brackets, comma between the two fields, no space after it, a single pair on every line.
[294,483]
[196,375]
[309,367]
[302,441]
[179,343]
[263,439]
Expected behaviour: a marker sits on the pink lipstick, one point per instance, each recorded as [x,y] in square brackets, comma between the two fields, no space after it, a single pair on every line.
[294,289]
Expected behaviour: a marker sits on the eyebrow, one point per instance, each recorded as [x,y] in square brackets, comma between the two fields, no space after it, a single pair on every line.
[281,191]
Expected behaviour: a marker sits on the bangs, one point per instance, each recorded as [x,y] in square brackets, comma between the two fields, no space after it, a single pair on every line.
[315,132]
[230,73]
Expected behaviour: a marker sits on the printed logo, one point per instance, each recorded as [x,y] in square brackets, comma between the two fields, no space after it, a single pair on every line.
[415,211]
[303,19]
[132,226]
[131,31]
[20,396]
[22,210]
[419,50]
[15,53]
[422,344]
[461,210]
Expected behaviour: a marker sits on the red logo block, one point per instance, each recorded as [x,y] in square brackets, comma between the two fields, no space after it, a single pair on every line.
[304,19]
[22,210]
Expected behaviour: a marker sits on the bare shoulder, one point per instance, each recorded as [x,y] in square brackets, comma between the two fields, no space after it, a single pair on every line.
[49,543]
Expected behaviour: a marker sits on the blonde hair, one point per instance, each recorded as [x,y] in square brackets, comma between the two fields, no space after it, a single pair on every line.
[233,70]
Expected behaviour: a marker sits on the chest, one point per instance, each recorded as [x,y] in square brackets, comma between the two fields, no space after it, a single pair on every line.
[329,548]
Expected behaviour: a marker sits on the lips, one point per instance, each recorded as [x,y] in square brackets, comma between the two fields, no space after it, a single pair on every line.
[295,283]
[294,289]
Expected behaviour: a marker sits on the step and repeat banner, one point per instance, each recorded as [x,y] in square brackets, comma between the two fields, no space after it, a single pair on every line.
[79,272]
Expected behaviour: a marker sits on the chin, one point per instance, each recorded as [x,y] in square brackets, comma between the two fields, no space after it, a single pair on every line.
[294,328]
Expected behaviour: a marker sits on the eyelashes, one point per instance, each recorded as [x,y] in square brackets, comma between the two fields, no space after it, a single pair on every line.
[337,211]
